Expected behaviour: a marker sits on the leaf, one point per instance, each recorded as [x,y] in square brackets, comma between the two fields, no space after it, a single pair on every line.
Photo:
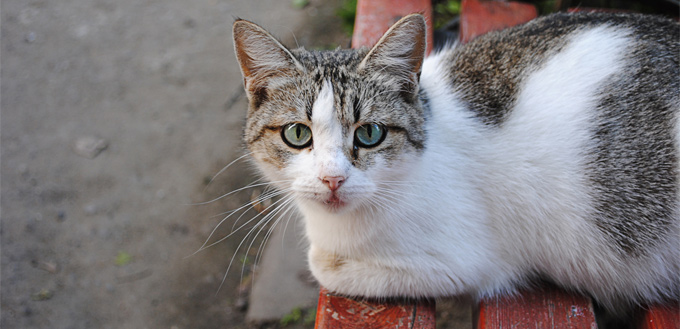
[123,258]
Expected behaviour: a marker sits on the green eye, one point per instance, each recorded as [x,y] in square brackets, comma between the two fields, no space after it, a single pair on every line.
[296,135]
[369,135]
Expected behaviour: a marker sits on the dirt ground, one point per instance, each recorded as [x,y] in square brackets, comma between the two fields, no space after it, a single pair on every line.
[115,116]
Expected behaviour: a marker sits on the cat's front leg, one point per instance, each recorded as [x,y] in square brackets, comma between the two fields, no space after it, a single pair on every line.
[380,277]
[353,277]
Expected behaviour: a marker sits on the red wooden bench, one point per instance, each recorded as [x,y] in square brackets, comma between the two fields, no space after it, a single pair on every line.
[546,307]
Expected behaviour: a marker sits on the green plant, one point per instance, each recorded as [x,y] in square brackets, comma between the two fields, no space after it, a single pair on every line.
[310,317]
[444,11]
[347,12]
[293,317]
[298,315]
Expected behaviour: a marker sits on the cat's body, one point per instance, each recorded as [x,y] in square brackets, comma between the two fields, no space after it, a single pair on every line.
[544,151]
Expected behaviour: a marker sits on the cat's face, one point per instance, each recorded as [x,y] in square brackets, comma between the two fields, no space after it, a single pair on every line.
[333,128]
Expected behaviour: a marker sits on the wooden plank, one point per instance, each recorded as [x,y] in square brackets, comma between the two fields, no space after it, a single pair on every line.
[479,17]
[374,17]
[337,312]
[547,307]
[661,317]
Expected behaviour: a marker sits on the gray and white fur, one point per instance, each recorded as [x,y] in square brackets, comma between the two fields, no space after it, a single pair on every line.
[548,150]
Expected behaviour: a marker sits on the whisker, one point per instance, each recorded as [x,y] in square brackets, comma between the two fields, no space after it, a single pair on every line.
[251,203]
[260,250]
[260,199]
[388,198]
[236,253]
[393,201]
[286,227]
[274,214]
[402,181]
[396,192]
[225,168]
[240,227]
[259,226]
[237,190]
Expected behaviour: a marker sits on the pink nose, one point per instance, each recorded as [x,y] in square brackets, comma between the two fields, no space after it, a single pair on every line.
[333,182]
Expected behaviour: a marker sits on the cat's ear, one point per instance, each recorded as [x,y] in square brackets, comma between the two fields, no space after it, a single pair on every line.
[260,55]
[400,51]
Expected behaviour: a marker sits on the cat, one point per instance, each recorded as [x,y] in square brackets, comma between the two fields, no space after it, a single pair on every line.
[544,151]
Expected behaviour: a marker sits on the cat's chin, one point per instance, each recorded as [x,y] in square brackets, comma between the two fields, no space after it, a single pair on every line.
[335,205]
[332,205]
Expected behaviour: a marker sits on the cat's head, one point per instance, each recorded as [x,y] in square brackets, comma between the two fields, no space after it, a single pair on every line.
[334,127]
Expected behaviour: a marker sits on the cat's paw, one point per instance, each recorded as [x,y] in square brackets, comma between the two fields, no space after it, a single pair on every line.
[378,278]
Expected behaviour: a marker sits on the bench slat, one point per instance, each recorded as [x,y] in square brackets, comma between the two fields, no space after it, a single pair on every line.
[547,307]
[337,312]
[661,317]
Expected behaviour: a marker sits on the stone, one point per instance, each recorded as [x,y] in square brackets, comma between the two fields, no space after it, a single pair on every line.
[89,146]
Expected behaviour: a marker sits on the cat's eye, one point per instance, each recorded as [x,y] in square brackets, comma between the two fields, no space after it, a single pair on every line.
[297,135]
[369,135]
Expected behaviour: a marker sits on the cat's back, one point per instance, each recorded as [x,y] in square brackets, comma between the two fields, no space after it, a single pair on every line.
[488,72]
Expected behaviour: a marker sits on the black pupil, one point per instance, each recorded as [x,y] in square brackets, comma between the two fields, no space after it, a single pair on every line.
[369,131]
[298,131]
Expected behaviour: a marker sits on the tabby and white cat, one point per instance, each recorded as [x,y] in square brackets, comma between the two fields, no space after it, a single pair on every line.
[548,150]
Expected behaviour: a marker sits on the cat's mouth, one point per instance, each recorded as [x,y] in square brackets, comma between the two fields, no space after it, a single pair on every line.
[334,203]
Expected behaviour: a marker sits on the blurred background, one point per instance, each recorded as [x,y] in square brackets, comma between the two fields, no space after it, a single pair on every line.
[116,117]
